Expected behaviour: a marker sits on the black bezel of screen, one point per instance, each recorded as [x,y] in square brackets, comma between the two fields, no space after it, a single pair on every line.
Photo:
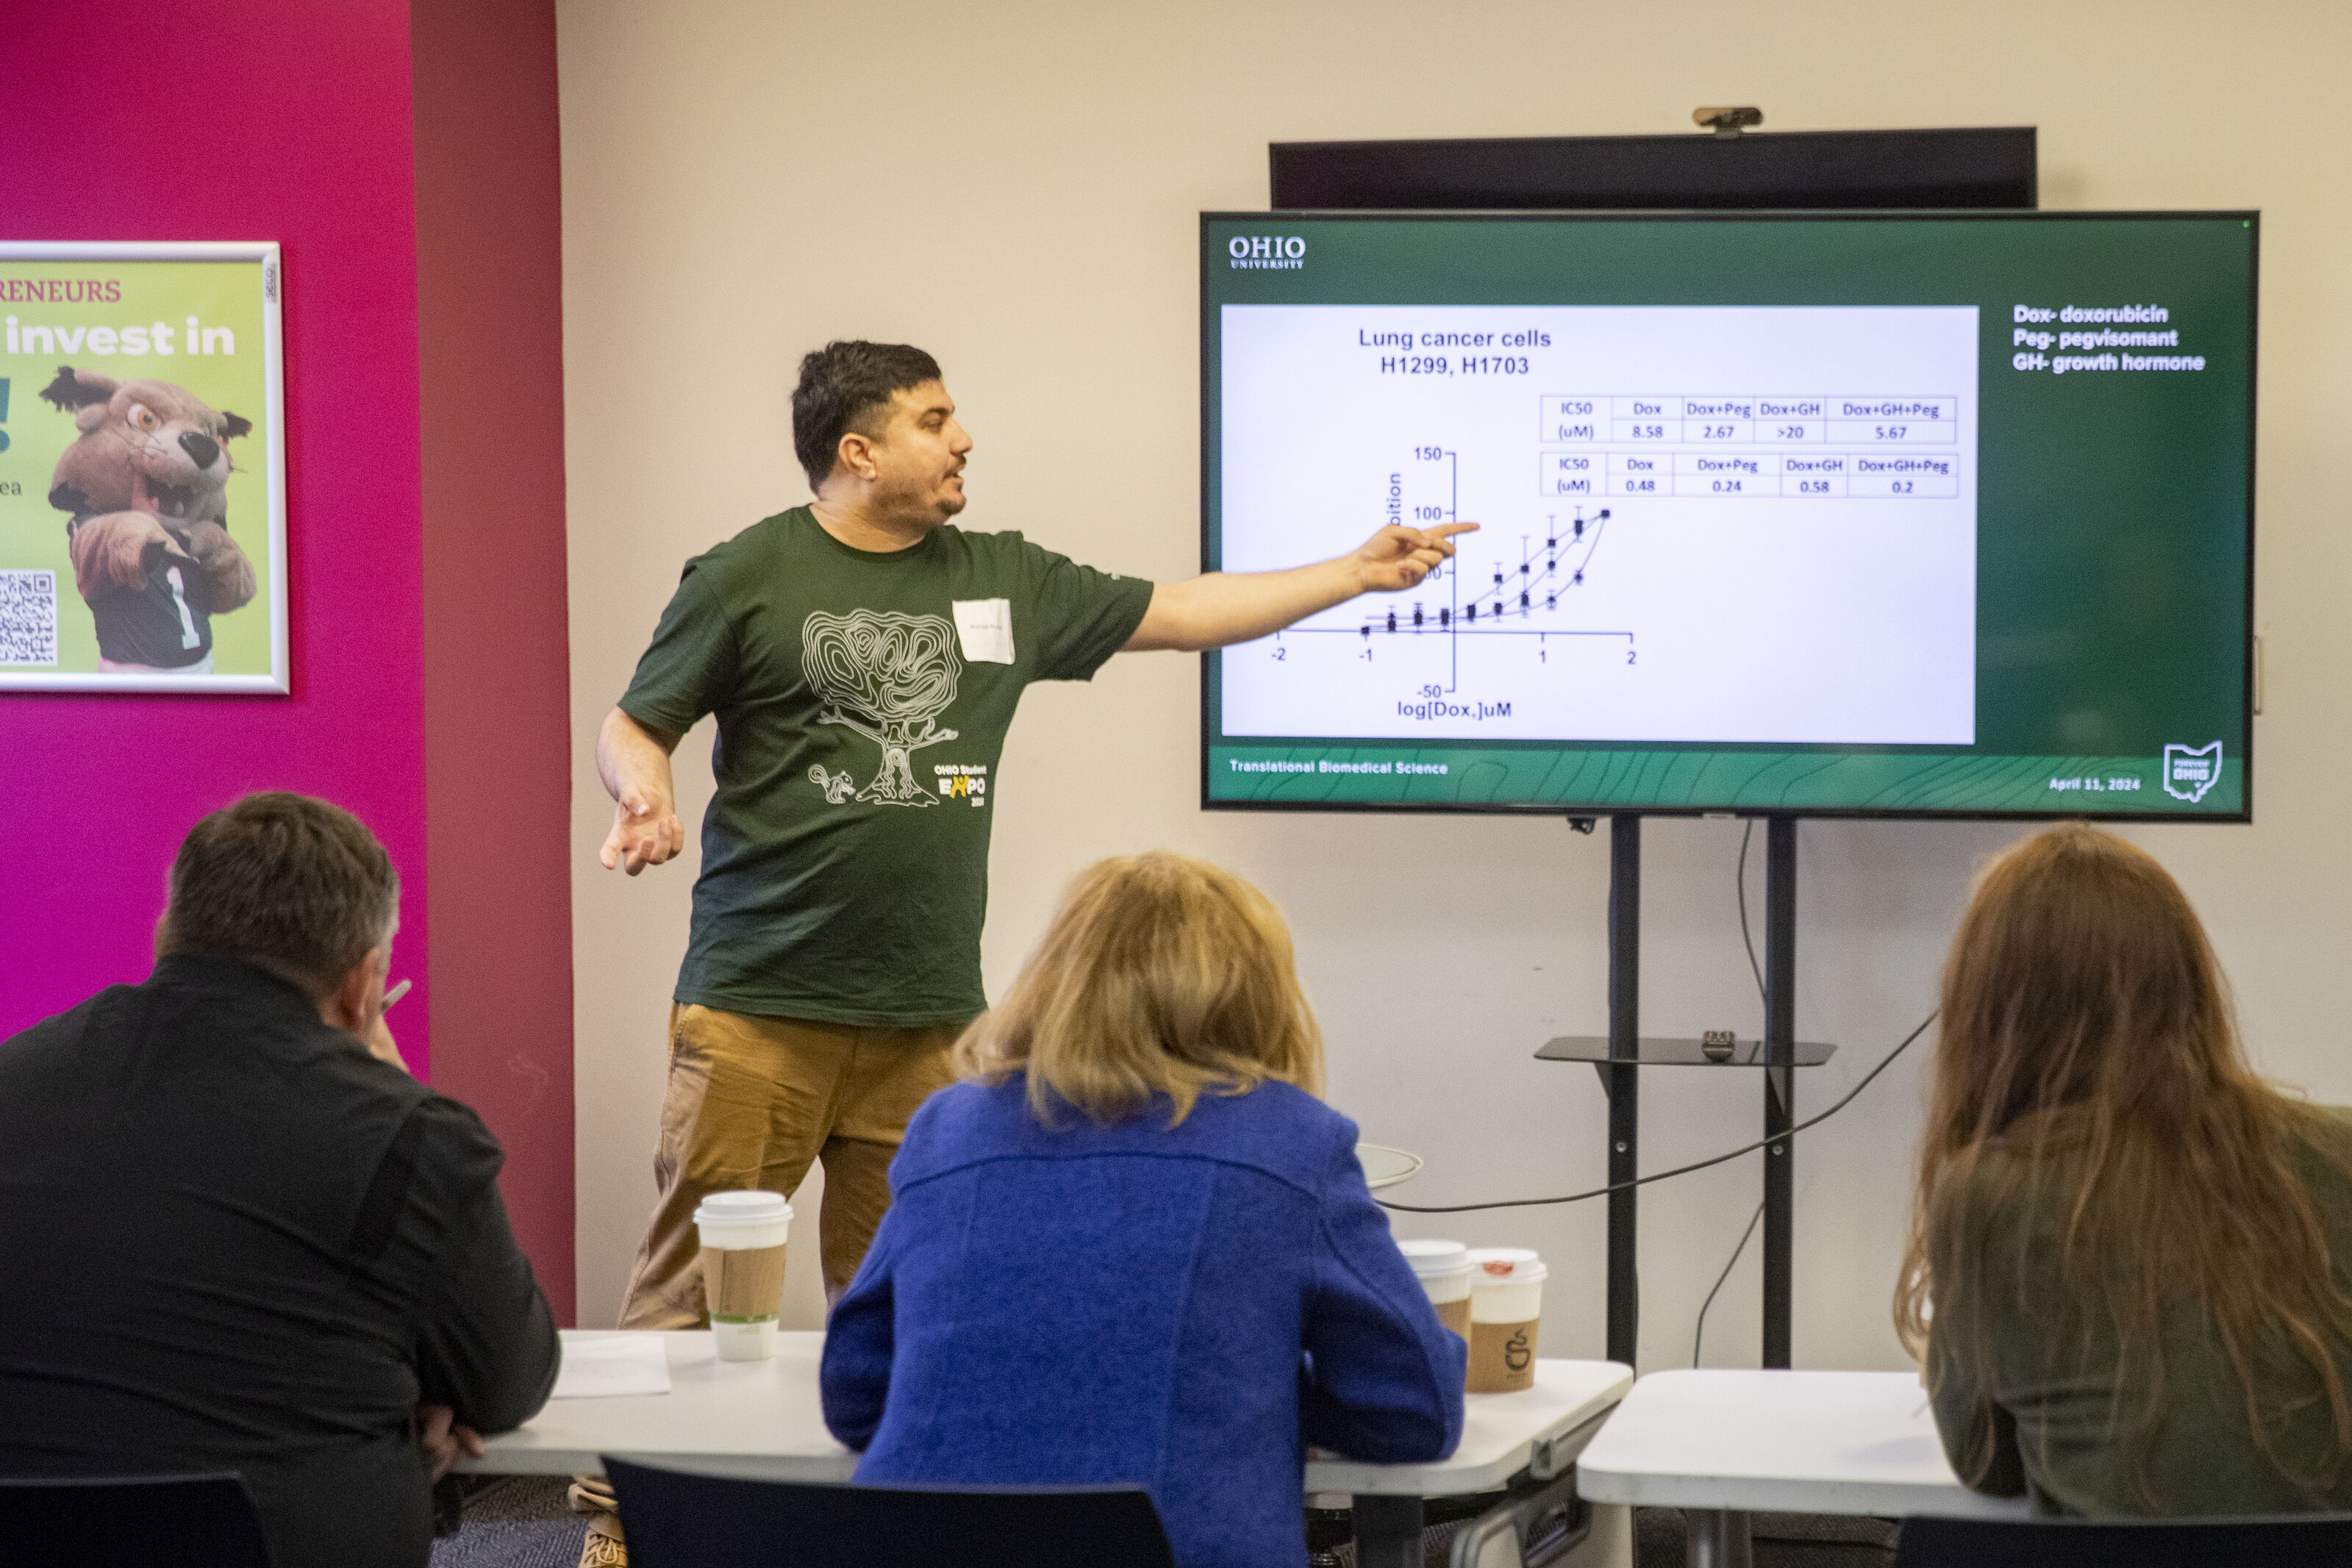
[1209,321]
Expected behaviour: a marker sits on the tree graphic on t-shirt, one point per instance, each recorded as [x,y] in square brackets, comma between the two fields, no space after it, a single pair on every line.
[895,673]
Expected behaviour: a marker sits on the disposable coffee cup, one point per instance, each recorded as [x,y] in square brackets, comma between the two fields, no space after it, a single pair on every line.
[1444,1269]
[1506,1301]
[743,1270]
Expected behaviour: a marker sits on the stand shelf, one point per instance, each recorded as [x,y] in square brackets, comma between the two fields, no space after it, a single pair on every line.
[1653,1051]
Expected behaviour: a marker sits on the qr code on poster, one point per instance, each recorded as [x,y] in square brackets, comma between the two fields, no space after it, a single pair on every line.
[28,618]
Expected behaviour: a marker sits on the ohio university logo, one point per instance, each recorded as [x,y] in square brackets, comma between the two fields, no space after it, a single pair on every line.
[1276,253]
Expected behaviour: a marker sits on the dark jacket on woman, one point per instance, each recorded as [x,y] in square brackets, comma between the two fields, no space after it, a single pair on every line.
[231,1239]
[1179,1309]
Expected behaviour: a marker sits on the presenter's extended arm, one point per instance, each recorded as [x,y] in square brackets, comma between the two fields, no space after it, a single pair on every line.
[1222,608]
[635,764]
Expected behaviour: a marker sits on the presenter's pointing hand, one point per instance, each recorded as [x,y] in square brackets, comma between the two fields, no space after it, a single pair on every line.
[1398,557]
[645,832]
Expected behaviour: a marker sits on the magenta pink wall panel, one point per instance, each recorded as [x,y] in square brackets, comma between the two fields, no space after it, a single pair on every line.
[280,120]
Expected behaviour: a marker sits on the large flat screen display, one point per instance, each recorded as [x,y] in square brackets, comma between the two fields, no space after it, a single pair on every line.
[1851,515]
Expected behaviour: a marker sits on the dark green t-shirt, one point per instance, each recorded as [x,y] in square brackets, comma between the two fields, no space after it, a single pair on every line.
[862,701]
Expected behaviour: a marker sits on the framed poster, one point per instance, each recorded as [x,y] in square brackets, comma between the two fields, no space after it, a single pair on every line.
[142,468]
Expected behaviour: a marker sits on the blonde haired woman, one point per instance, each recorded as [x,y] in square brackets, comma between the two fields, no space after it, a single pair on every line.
[2128,1262]
[1133,1247]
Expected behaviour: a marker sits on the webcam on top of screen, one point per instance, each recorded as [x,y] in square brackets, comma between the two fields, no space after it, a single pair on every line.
[1726,121]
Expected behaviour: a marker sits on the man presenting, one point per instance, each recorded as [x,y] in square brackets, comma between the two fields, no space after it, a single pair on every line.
[864,659]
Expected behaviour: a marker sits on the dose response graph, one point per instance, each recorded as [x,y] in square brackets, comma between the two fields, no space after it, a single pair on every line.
[1482,597]
[1793,562]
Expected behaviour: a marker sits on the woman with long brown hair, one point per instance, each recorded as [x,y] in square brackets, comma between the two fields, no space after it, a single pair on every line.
[2127,1273]
[1132,1246]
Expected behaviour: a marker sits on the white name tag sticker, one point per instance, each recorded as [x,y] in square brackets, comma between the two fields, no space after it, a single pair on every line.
[984,627]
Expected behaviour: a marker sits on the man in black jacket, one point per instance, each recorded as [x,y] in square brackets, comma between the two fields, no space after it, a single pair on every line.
[232,1238]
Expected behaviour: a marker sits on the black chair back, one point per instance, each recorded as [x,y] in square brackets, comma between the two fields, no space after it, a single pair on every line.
[2125,1543]
[135,1521]
[679,1521]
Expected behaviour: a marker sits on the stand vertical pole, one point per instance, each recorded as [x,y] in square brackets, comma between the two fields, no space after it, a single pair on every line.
[1624,1080]
[1779,1080]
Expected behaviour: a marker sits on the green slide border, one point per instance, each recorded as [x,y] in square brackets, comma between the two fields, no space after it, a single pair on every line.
[1599,779]
[1750,782]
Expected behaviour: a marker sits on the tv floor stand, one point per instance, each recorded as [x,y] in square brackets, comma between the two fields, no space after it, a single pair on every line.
[1619,1056]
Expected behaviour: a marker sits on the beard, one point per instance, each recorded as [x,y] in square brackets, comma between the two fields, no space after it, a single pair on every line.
[917,503]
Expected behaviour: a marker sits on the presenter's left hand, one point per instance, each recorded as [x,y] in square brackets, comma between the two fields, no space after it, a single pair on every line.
[645,832]
[1398,557]
[444,1439]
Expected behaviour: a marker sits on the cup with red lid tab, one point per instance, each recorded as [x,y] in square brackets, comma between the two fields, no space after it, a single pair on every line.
[1505,1303]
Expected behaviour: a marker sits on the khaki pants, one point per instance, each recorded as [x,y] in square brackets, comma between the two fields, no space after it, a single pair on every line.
[751,1103]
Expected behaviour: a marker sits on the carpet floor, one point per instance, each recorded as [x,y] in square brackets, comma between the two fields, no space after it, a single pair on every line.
[514,1521]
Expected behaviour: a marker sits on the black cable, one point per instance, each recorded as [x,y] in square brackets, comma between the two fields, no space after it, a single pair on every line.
[1739,883]
[1699,1333]
[1847,1098]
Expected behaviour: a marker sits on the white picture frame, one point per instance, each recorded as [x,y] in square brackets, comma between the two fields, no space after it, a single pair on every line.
[261,664]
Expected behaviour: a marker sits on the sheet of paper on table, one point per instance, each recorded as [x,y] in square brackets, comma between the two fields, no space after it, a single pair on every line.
[607,1368]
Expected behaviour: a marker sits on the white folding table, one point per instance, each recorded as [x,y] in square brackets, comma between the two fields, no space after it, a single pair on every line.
[760,1419]
[1720,1445]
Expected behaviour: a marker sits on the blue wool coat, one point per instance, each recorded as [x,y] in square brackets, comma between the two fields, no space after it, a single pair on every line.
[1179,1308]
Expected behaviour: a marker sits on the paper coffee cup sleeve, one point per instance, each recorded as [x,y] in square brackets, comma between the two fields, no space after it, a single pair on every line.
[1502,1357]
[743,1282]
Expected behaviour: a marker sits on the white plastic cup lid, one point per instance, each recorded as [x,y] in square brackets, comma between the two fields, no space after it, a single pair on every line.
[743,1208]
[1435,1260]
[1506,1266]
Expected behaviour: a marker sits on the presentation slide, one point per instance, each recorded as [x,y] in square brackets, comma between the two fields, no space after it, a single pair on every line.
[1896,515]
[1727,523]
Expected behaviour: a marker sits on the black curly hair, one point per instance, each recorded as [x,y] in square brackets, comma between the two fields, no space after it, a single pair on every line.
[841,386]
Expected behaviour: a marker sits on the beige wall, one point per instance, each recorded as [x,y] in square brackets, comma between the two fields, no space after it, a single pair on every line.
[1014,187]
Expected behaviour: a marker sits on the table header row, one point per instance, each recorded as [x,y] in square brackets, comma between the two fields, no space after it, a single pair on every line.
[1572,406]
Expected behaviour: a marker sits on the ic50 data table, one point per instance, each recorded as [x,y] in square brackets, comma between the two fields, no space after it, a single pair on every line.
[1728,447]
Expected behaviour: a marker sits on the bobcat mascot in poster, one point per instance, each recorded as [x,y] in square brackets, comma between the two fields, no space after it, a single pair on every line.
[146,485]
